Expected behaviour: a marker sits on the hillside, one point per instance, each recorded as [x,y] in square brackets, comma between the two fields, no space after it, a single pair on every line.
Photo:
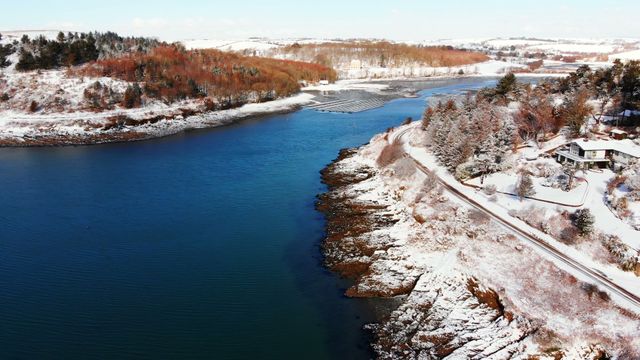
[380,59]
[97,87]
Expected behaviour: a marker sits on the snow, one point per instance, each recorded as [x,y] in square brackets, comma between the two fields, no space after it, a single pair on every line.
[626,56]
[576,48]
[594,201]
[606,221]
[494,67]
[18,126]
[229,45]
[448,249]
[506,182]
[343,85]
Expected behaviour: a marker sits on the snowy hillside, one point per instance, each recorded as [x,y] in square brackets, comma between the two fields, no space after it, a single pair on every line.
[473,290]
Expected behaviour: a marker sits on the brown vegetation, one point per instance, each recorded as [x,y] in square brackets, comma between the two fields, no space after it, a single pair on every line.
[383,54]
[171,73]
[390,154]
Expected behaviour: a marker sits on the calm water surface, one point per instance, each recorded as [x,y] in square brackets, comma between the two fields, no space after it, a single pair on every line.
[201,246]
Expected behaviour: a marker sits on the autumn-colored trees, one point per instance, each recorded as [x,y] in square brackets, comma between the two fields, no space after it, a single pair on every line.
[382,53]
[537,116]
[171,73]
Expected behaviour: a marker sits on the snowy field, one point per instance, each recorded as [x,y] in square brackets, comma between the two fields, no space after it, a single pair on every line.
[506,183]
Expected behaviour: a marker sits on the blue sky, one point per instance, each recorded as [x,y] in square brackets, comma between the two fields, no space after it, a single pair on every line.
[398,20]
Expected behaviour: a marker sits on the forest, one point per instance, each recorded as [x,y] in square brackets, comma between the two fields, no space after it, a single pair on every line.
[74,49]
[171,73]
[382,54]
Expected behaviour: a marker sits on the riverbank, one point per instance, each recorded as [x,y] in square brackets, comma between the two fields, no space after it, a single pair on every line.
[22,129]
[468,289]
[122,126]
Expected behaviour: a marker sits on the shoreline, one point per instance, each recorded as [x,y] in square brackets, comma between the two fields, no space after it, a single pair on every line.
[68,129]
[457,276]
[157,126]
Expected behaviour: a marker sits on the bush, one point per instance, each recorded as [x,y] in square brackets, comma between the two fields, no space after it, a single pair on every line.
[4,97]
[33,107]
[569,235]
[132,96]
[390,154]
[489,189]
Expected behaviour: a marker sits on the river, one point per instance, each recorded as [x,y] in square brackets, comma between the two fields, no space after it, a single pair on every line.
[203,245]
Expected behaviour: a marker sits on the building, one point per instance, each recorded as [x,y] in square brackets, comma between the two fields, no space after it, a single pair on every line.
[587,154]
[618,134]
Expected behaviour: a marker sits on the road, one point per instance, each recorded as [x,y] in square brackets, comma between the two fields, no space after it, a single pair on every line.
[524,234]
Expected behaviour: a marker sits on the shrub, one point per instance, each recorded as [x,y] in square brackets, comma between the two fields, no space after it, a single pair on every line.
[4,97]
[569,235]
[389,154]
[33,107]
[489,189]
[132,96]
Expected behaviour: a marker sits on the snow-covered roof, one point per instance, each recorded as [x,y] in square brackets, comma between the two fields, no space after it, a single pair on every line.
[618,131]
[624,146]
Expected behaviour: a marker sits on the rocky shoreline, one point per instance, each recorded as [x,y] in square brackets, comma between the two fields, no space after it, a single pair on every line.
[350,251]
[125,128]
[398,240]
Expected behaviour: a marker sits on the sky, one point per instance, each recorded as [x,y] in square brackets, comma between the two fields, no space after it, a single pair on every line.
[391,19]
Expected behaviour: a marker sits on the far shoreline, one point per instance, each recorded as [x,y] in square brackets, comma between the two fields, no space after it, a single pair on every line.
[169,126]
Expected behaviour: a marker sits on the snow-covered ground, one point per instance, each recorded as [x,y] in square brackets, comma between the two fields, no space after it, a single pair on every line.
[18,127]
[230,45]
[343,85]
[506,183]
[626,56]
[478,290]
[504,206]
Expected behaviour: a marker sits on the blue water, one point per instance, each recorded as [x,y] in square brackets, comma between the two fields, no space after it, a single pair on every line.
[203,245]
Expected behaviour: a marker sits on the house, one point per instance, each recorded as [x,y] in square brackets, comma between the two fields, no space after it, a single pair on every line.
[355,65]
[324,82]
[587,154]
[618,134]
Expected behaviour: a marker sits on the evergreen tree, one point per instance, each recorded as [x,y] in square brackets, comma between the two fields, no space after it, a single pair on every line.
[584,220]
[569,169]
[506,85]
[525,186]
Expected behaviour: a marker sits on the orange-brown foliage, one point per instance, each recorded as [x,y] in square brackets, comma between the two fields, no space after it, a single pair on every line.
[171,73]
[385,52]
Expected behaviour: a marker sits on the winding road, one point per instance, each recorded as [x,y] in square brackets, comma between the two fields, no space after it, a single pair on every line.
[595,276]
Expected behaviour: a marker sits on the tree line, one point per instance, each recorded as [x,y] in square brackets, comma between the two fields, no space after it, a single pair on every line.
[171,73]
[74,49]
[381,53]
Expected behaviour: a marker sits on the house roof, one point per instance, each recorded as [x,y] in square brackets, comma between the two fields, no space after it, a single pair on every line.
[618,131]
[624,146]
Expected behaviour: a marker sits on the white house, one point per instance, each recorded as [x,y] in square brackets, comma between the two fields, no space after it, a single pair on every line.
[587,154]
